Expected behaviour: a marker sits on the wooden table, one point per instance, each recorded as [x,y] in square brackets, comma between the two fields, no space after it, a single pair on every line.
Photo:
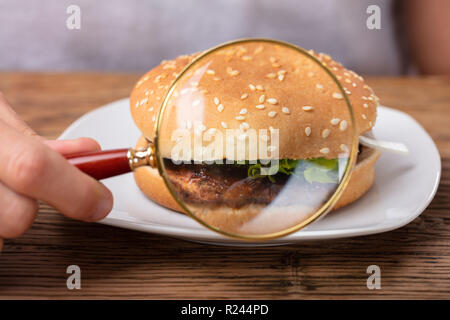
[118,263]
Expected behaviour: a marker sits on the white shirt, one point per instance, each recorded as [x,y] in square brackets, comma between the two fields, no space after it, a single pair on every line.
[137,34]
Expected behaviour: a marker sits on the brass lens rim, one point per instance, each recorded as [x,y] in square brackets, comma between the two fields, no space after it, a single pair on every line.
[331,201]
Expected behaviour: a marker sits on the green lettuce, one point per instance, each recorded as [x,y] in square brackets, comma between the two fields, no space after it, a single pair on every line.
[319,170]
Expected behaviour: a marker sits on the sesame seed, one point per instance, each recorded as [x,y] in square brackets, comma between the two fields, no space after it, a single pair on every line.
[246,58]
[343,125]
[365,105]
[285,110]
[364,98]
[276,65]
[216,101]
[325,133]
[272,114]
[337,95]
[281,77]
[281,72]
[343,147]
[272,101]
[224,124]
[308,131]
[348,80]
[252,87]
[339,77]
[354,85]
[325,150]
[262,98]
[137,104]
[169,66]
[244,96]
[217,79]
[334,69]
[271,75]
[307,108]
[234,73]
[259,49]
[319,86]
[157,79]
[244,125]
[210,72]
[335,121]
[364,116]
[220,107]
[240,118]
[259,87]
[348,92]
[260,106]
[243,111]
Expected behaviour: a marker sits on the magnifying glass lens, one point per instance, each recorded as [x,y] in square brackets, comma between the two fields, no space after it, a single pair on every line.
[256,139]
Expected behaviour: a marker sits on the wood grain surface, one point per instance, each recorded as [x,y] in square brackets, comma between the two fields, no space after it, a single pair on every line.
[119,263]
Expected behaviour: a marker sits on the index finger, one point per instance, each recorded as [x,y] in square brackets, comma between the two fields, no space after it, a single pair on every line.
[8,115]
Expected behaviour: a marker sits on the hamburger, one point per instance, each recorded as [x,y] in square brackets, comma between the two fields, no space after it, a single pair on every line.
[304,107]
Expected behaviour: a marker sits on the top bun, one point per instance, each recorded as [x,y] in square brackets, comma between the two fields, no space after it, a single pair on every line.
[258,85]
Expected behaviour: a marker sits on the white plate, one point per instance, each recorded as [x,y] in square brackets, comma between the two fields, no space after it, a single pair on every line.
[404,185]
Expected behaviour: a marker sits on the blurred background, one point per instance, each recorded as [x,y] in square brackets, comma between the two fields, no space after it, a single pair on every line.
[135,35]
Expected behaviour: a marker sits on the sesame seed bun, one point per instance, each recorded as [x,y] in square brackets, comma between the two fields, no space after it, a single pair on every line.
[298,98]
[153,186]
[258,86]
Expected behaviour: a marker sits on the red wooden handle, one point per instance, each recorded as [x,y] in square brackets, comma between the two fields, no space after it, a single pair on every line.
[102,164]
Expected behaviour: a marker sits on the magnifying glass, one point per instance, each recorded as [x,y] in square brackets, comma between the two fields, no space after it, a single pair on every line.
[255,139]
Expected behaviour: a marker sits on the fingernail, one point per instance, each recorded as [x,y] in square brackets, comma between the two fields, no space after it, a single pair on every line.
[103,208]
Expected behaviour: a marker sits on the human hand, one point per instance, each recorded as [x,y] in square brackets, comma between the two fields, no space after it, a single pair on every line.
[34,169]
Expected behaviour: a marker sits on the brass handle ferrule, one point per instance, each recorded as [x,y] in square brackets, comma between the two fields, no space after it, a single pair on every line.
[142,157]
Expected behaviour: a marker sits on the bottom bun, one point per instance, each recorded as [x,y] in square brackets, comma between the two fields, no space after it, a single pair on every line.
[153,186]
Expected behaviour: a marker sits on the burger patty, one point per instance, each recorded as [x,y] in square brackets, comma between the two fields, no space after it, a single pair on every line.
[222,184]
